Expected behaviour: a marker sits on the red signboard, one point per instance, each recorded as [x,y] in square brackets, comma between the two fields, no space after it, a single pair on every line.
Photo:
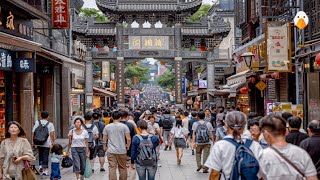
[60,13]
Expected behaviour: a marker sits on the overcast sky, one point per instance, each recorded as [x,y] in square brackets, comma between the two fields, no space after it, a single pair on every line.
[92,3]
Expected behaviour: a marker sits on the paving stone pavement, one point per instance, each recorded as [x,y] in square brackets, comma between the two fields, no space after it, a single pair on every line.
[169,170]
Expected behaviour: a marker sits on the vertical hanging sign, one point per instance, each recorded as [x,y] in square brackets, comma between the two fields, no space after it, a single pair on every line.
[60,14]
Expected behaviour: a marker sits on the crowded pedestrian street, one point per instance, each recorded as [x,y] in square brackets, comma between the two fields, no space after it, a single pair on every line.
[159,90]
[169,169]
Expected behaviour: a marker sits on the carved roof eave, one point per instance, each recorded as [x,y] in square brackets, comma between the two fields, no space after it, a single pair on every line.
[207,26]
[111,7]
[205,32]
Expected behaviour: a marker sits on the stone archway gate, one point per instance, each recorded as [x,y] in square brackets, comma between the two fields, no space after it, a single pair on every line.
[180,43]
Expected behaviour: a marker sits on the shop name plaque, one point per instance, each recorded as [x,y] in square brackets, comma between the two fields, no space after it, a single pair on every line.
[149,42]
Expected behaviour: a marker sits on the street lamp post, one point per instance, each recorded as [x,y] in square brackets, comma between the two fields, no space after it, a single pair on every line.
[248,57]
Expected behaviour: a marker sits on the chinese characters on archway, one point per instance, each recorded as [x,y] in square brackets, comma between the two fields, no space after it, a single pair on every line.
[60,13]
[149,42]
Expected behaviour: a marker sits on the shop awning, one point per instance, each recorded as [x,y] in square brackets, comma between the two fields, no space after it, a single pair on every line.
[62,58]
[231,91]
[104,92]
[19,44]
[220,92]
[77,91]
[192,93]
[240,77]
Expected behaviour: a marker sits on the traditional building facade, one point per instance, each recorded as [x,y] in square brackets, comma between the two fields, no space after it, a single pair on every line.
[176,40]
[251,18]
[33,59]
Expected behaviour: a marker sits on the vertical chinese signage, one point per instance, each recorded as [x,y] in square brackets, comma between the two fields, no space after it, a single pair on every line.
[278,47]
[6,59]
[60,14]
[178,92]
[120,79]
[105,71]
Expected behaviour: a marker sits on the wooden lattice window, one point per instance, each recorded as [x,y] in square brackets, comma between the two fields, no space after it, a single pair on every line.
[254,10]
[240,10]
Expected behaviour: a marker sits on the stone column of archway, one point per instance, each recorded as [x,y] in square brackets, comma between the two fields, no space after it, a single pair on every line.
[178,66]
[210,76]
[120,68]
[89,82]
[120,82]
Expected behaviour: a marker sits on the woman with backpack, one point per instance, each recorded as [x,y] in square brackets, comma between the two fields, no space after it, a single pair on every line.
[143,152]
[222,159]
[78,144]
[179,135]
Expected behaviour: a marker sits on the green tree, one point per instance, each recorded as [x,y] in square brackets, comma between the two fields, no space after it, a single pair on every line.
[136,71]
[167,80]
[203,11]
[91,12]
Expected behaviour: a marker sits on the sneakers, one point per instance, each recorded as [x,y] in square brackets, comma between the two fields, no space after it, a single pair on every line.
[40,169]
[159,165]
[45,173]
[199,168]
[92,171]
[192,152]
[166,148]
[170,148]
[102,169]
[205,171]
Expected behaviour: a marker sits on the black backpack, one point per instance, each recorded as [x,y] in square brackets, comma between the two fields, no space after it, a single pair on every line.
[147,155]
[41,134]
[167,123]
[202,133]
[91,135]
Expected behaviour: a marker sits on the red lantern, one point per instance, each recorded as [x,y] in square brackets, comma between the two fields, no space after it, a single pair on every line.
[244,90]
[317,59]
[252,80]
[275,75]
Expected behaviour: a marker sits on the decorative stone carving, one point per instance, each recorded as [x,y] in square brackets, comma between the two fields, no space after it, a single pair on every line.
[149,31]
[216,23]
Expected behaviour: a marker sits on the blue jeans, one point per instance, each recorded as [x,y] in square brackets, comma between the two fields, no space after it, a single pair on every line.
[143,170]
[43,156]
[55,171]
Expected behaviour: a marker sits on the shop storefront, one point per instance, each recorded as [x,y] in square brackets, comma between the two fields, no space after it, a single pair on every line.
[312,84]
[102,97]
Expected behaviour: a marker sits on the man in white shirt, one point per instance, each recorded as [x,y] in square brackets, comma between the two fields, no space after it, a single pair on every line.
[45,148]
[118,136]
[201,142]
[282,160]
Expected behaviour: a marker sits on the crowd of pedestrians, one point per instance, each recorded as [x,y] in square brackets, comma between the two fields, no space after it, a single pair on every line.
[226,144]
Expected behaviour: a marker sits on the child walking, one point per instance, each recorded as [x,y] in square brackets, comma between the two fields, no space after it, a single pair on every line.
[56,157]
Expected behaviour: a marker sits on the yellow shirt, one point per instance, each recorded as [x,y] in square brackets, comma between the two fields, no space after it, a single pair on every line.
[107,120]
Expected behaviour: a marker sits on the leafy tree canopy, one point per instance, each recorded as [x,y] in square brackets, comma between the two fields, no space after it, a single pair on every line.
[167,80]
[91,12]
[202,12]
[136,71]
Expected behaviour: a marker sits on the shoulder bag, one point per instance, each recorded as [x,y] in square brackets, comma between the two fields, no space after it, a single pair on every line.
[288,161]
